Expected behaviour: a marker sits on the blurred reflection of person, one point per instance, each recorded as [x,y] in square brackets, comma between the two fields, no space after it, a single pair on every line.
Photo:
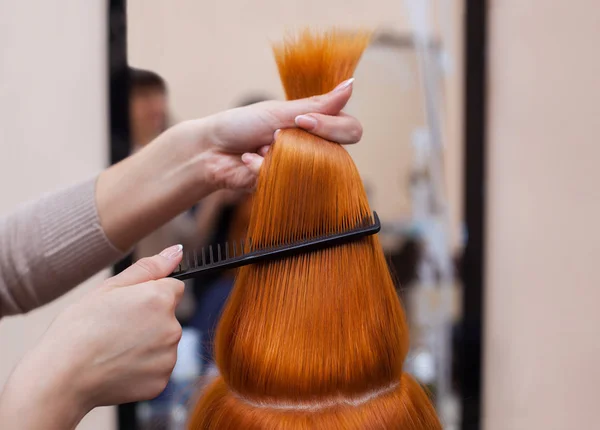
[148,107]
[149,117]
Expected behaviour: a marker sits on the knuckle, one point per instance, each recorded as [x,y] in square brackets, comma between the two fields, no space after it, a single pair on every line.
[159,378]
[172,290]
[356,132]
[175,334]
[317,102]
[167,365]
[157,386]
[149,265]
[178,286]
[167,299]
[157,298]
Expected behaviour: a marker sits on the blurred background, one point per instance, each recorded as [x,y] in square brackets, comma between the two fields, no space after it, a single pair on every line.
[478,154]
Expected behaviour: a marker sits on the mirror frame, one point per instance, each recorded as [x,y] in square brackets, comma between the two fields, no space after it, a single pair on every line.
[474,185]
[118,88]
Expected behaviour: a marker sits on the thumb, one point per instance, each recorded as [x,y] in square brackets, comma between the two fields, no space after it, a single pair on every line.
[334,101]
[149,269]
[331,103]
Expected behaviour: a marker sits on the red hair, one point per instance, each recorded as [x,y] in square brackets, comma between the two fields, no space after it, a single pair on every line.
[315,341]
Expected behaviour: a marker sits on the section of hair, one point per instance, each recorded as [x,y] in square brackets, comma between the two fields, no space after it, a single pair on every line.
[407,407]
[315,341]
[320,323]
[311,64]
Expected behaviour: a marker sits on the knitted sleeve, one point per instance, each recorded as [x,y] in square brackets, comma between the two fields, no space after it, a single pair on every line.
[49,246]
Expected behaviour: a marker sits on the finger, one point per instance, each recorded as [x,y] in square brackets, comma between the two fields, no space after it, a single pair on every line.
[263,151]
[253,162]
[149,269]
[328,104]
[344,129]
[178,290]
[175,286]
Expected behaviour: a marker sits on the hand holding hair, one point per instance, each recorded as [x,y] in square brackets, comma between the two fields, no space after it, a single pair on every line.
[197,157]
[116,345]
[250,129]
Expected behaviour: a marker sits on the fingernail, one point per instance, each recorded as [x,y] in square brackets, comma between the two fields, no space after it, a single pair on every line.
[247,158]
[277,133]
[344,85]
[306,122]
[263,151]
[172,252]
[252,161]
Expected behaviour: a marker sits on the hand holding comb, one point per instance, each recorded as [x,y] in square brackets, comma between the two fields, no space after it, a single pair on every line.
[232,255]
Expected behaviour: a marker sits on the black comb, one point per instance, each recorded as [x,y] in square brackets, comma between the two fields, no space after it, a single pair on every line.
[233,256]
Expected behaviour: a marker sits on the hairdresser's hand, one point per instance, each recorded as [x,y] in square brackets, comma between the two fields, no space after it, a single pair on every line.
[195,158]
[249,130]
[117,345]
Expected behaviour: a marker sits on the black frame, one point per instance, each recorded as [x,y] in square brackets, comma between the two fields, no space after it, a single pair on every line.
[473,263]
[474,183]
[119,130]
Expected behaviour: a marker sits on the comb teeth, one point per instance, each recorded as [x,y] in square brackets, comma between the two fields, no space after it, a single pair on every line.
[197,257]
[243,253]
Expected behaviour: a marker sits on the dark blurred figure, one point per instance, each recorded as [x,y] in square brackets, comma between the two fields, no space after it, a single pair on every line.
[149,117]
[148,107]
[404,262]
[227,215]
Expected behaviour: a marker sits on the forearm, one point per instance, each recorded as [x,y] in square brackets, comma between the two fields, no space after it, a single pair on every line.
[150,188]
[54,243]
[50,245]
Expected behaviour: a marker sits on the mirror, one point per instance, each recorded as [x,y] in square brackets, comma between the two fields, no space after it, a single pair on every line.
[189,59]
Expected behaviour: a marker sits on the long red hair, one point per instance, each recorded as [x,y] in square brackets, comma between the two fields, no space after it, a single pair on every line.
[315,341]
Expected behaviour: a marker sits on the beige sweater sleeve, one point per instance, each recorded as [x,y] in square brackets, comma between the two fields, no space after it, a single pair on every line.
[49,246]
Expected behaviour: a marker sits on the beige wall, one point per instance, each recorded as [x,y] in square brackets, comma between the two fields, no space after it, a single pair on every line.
[52,127]
[542,340]
[213,52]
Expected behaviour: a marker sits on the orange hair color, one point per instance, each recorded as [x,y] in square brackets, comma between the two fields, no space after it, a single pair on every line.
[315,341]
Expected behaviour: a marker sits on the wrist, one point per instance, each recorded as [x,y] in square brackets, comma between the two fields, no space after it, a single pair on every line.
[207,159]
[40,395]
[156,184]
[221,147]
